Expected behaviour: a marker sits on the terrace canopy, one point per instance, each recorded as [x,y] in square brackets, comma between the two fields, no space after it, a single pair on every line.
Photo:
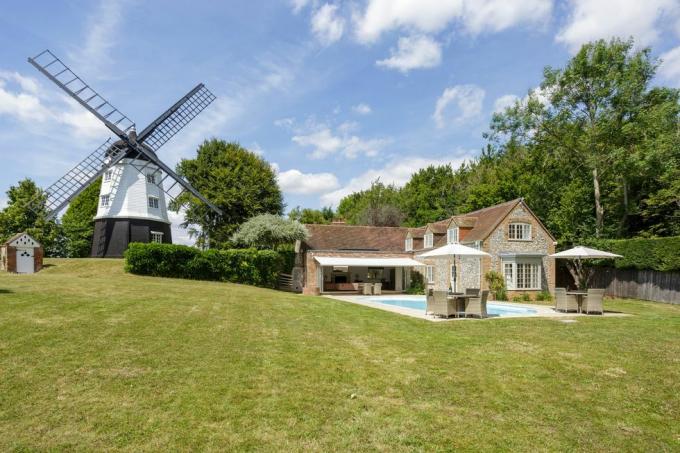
[368,262]
[346,273]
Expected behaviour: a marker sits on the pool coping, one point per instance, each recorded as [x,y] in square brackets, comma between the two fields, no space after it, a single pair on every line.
[542,311]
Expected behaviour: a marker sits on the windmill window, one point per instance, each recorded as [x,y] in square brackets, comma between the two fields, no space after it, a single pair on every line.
[151,178]
[153,202]
[108,175]
[104,201]
[157,237]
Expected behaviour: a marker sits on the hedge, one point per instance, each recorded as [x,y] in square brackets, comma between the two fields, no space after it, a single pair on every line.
[247,266]
[659,254]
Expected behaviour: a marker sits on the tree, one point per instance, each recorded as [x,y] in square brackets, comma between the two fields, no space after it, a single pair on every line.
[239,182]
[269,231]
[431,194]
[377,206]
[26,211]
[312,216]
[77,223]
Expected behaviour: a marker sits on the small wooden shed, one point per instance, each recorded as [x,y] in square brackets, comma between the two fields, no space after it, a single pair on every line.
[21,254]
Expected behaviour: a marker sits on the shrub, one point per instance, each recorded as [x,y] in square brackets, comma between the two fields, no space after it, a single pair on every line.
[417,284]
[544,296]
[247,266]
[496,283]
[517,298]
[526,297]
[660,254]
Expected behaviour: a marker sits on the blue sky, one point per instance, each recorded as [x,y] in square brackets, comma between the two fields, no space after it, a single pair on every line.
[333,94]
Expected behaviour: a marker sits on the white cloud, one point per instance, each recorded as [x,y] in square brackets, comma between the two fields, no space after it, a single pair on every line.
[362,109]
[101,32]
[298,5]
[296,182]
[468,100]
[595,19]
[670,66]
[327,25]
[326,142]
[414,52]
[504,102]
[498,15]
[432,16]
[397,172]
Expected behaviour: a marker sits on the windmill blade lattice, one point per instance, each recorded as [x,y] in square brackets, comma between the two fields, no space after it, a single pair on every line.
[55,70]
[60,193]
[176,117]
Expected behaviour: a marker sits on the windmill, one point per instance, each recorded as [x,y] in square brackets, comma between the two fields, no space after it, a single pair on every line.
[132,204]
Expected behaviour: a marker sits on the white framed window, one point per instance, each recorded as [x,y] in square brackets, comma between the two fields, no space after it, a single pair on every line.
[519,231]
[429,274]
[153,202]
[157,237]
[104,201]
[429,240]
[452,235]
[408,244]
[107,175]
[524,273]
[151,178]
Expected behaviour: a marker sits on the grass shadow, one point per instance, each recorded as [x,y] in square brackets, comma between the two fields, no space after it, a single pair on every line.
[5,291]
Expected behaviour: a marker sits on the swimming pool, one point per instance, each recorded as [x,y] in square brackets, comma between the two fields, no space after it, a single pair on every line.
[418,303]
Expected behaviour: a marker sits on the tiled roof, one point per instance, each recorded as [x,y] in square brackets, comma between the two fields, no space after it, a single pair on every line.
[417,232]
[352,237]
[488,219]
[439,227]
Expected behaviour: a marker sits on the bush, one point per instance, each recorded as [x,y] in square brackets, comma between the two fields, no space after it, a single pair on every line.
[544,296]
[659,254]
[417,284]
[496,283]
[247,266]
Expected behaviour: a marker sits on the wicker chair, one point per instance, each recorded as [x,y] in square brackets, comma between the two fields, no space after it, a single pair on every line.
[592,303]
[476,306]
[429,308]
[442,306]
[565,302]
[377,288]
[367,289]
[472,291]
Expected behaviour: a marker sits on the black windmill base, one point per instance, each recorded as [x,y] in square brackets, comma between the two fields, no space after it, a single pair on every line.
[112,236]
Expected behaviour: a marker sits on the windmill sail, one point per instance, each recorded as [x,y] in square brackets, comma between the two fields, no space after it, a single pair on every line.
[77,179]
[176,117]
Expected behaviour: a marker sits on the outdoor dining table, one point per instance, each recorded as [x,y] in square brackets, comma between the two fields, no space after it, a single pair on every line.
[460,299]
[579,298]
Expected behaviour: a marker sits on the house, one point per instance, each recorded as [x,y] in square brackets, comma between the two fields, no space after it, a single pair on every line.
[338,257]
[21,254]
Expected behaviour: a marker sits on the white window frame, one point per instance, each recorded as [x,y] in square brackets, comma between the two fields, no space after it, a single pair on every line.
[429,240]
[521,228]
[153,202]
[408,244]
[429,274]
[516,273]
[108,174]
[151,178]
[452,235]
[105,201]
[157,237]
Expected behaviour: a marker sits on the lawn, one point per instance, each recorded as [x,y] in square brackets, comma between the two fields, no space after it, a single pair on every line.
[92,358]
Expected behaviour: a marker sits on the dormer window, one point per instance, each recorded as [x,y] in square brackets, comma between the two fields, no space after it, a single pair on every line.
[408,244]
[519,231]
[452,235]
[429,240]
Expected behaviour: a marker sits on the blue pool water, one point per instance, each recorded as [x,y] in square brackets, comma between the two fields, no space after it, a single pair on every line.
[418,303]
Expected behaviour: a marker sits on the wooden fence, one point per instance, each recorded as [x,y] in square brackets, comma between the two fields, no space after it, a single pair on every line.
[631,283]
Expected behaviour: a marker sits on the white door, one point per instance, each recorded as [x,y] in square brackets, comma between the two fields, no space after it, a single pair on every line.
[25,263]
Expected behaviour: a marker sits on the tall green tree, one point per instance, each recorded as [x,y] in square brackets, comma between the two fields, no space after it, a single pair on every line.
[269,231]
[377,206]
[432,193]
[26,211]
[312,216]
[78,221]
[241,183]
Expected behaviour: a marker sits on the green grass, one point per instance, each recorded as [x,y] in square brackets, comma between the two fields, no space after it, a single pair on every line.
[92,358]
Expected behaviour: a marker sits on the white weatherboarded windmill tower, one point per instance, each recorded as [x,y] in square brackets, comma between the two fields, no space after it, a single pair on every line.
[132,205]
